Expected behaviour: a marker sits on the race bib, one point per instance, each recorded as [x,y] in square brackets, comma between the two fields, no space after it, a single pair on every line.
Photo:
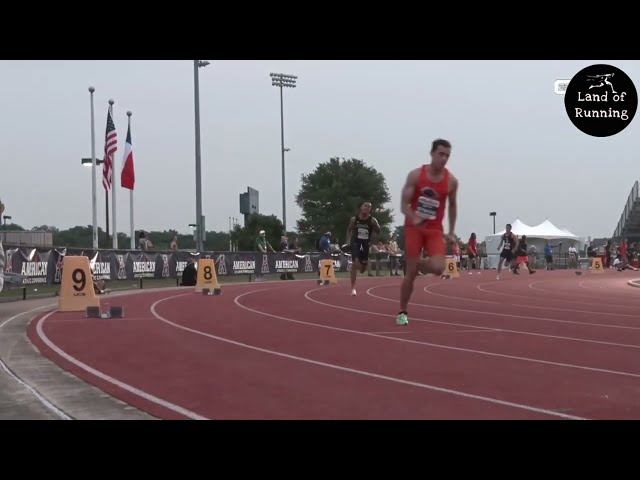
[427,208]
[363,234]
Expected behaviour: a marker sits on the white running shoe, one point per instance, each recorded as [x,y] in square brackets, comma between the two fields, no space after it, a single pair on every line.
[497,277]
[353,292]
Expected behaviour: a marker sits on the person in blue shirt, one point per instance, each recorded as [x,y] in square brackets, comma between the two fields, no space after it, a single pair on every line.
[548,255]
[325,243]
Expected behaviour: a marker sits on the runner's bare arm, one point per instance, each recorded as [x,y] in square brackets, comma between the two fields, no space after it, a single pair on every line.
[376,226]
[352,222]
[375,231]
[453,203]
[408,191]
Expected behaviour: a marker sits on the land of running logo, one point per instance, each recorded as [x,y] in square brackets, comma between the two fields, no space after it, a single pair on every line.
[601,100]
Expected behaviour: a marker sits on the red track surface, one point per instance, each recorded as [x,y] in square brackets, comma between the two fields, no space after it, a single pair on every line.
[550,346]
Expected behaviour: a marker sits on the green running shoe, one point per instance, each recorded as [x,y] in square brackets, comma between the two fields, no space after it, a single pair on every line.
[402,319]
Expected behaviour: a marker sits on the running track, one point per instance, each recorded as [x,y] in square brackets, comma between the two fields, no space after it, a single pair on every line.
[549,346]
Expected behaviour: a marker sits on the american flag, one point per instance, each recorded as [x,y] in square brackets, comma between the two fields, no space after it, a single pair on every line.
[110,148]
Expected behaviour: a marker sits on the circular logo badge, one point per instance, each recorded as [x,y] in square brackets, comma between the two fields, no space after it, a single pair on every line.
[601,100]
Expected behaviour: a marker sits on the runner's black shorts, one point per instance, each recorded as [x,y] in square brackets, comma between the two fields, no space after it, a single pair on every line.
[507,255]
[360,252]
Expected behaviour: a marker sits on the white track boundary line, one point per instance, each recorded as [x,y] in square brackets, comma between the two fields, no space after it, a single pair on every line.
[431,292]
[579,299]
[436,345]
[635,282]
[347,369]
[507,330]
[391,333]
[124,386]
[555,299]
[463,298]
[627,315]
[528,317]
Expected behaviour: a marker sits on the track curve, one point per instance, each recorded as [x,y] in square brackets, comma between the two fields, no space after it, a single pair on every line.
[475,348]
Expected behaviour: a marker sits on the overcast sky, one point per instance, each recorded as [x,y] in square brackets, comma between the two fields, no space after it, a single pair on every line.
[514,149]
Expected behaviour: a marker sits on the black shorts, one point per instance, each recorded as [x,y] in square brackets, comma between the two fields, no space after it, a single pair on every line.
[360,252]
[507,255]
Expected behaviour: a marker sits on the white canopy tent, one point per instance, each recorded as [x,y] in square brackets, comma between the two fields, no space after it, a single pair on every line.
[560,238]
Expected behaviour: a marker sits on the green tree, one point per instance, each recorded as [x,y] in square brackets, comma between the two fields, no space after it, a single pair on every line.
[246,236]
[332,194]
[12,227]
[45,228]
[77,236]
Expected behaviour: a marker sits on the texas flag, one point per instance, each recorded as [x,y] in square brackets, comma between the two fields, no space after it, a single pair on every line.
[128,175]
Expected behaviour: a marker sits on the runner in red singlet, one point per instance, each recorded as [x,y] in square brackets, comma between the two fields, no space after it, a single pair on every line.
[424,198]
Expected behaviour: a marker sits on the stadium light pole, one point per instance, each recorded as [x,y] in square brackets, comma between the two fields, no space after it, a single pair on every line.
[493,214]
[281,81]
[196,87]
[94,202]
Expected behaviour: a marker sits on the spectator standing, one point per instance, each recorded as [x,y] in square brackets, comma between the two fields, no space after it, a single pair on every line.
[189,274]
[262,245]
[324,245]
[548,255]
[284,248]
[473,260]
[573,257]
[143,241]
[623,252]
[394,262]
[294,246]
[533,255]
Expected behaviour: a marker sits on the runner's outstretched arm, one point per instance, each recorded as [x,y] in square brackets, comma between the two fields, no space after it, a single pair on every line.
[407,194]
[453,207]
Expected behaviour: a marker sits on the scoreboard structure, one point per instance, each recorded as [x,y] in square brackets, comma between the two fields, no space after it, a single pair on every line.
[249,203]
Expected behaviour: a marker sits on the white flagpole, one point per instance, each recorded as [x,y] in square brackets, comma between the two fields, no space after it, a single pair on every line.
[94,202]
[133,232]
[113,189]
